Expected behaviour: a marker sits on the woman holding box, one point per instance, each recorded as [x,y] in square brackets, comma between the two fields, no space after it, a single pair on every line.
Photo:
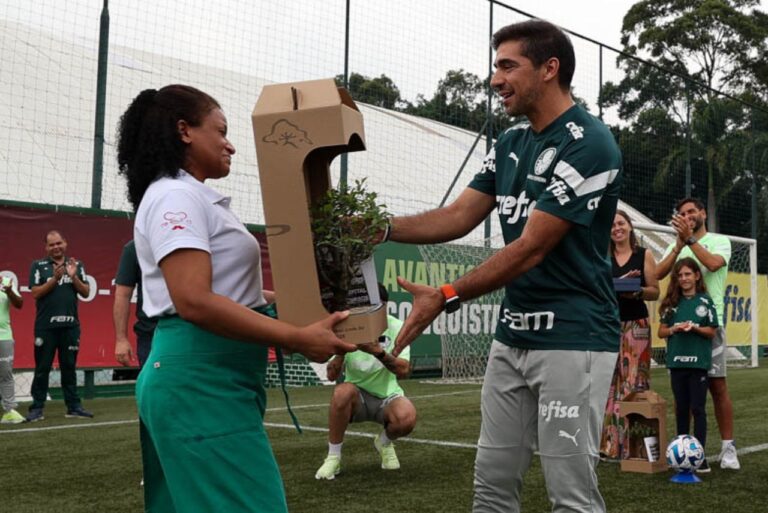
[631,374]
[200,394]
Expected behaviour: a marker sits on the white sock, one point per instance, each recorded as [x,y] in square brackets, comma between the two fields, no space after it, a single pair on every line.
[726,443]
[384,439]
[334,449]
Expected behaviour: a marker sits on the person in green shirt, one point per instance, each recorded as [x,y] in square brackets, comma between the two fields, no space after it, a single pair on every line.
[554,181]
[712,252]
[127,279]
[370,392]
[9,296]
[689,322]
[55,282]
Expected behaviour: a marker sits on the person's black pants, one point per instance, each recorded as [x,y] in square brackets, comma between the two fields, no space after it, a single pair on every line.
[690,389]
[65,342]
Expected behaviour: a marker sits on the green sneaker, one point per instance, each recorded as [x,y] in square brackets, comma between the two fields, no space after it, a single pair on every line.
[389,459]
[330,468]
[12,417]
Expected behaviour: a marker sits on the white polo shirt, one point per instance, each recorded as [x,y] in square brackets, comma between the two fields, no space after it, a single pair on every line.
[183,213]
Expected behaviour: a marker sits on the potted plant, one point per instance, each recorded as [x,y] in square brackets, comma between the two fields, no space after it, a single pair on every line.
[346,224]
[637,433]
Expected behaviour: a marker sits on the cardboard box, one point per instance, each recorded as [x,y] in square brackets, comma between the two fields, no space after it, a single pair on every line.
[648,408]
[299,128]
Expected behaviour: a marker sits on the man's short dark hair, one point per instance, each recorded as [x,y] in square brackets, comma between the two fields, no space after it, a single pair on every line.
[696,202]
[541,40]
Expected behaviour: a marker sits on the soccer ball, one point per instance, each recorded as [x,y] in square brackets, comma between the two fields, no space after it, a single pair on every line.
[685,453]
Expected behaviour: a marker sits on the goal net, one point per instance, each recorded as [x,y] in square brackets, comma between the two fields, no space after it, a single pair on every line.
[465,352]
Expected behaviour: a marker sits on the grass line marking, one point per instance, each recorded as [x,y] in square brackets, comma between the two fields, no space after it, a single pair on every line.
[411,397]
[69,426]
[440,443]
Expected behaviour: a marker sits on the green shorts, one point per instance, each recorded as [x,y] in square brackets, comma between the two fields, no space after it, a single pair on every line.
[201,404]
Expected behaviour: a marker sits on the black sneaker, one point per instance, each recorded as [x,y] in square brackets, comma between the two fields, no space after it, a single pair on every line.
[78,413]
[704,468]
[35,414]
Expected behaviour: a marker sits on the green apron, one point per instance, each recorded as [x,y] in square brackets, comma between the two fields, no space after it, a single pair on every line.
[201,405]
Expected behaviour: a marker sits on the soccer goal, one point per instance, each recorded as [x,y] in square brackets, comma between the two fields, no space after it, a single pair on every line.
[465,354]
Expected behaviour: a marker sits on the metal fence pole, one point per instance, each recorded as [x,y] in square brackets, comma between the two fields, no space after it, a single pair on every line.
[600,85]
[489,110]
[754,173]
[101,94]
[687,141]
[344,162]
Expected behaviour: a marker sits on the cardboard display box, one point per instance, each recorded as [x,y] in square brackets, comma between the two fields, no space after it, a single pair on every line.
[650,409]
[299,128]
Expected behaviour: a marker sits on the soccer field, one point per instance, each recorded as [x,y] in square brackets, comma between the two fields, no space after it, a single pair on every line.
[63,465]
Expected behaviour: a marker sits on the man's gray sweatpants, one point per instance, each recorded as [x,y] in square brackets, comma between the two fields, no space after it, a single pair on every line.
[6,375]
[554,400]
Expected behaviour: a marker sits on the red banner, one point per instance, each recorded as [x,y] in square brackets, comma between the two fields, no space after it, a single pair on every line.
[95,240]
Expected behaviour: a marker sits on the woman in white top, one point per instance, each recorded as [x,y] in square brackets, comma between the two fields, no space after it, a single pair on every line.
[200,394]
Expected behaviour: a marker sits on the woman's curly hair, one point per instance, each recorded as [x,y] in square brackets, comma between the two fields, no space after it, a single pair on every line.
[148,142]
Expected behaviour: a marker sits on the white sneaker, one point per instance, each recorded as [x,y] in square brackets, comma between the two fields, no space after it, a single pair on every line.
[330,468]
[12,417]
[728,457]
[389,459]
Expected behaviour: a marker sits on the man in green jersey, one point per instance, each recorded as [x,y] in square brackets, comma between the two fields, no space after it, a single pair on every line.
[127,279]
[55,282]
[554,183]
[712,252]
[370,392]
[9,296]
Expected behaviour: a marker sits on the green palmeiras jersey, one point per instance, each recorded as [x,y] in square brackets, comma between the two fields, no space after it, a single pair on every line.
[129,275]
[572,170]
[58,308]
[717,245]
[686,349]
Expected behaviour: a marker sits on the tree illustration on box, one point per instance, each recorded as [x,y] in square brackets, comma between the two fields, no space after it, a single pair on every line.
[346,223]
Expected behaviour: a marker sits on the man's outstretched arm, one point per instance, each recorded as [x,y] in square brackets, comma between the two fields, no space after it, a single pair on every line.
[541,234]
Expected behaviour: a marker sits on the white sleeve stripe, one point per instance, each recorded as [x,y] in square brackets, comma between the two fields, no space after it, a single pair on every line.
[580,185]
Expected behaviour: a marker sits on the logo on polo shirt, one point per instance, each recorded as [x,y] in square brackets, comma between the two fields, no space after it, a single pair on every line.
[176,220]
[544,160]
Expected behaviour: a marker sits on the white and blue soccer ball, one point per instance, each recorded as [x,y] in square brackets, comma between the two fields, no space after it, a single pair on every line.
[685,453]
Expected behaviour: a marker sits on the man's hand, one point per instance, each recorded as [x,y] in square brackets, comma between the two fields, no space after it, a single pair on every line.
[8,288]
[683,229]
[373,348]
[123,352]
[333,369]
[428,302]
[58,272]
[71,267]
[318,343]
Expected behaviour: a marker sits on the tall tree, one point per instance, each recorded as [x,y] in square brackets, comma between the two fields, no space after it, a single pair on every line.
[717,43]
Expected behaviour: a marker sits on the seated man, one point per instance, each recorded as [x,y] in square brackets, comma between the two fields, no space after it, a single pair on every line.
[370,392]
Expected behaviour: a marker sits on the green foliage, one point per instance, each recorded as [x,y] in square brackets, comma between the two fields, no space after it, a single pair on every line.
[380,91]
[674,123]
[346,224]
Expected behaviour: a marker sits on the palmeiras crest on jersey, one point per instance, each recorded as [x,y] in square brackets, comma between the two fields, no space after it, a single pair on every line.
[544,160]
